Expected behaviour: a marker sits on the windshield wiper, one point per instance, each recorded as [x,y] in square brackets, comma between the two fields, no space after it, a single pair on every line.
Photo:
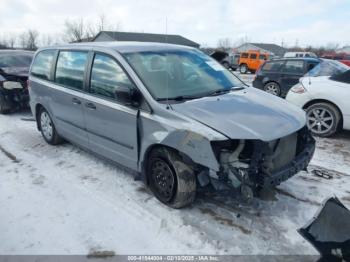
[177,98]
[224,91]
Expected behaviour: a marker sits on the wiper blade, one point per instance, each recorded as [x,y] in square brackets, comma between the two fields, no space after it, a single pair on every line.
[224,91]
[178,98]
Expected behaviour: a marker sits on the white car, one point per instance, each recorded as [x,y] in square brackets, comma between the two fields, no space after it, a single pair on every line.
[324,93]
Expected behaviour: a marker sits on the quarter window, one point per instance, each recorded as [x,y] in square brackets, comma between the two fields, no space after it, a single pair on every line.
[262,57]
[70,69]
[107,76]
[253,56]
[42,64]
[294,67]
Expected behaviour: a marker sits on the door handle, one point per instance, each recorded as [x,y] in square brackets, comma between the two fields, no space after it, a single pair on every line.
[90,106]
[76,101]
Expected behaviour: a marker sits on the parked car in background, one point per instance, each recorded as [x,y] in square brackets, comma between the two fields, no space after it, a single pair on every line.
[14,68]
[234,60]
[229,61]
[278,76]
[341,57]
[299,54]
[251,61]
[170,113]
[325,94]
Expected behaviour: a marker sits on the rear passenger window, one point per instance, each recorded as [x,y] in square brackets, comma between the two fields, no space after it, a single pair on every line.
[272,66]
[294,67]
[262,57]
[42,64]
[253,56]
[107,76]
[70,69]
[244,55]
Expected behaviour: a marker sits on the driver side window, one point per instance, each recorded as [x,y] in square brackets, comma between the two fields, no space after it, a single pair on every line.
[107,76]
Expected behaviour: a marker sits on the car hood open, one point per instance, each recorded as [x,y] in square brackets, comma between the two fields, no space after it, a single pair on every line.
[245,114]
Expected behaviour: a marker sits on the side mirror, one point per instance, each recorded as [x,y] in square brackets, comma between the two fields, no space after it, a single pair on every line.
[127,95]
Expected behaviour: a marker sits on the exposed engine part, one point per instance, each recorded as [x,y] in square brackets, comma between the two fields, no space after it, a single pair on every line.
[232,167]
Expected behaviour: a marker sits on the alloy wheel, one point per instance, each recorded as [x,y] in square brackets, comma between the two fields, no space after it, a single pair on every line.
[320,120]
[46,125]
[273,89]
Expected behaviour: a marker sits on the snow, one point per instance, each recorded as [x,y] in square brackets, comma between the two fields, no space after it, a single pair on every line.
[62,200]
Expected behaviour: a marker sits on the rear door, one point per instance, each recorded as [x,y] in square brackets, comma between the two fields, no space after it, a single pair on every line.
[67,95]
[111,125]
[291,72]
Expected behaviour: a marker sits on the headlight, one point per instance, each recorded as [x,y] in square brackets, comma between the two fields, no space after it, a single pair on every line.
[9,85]
[298,88]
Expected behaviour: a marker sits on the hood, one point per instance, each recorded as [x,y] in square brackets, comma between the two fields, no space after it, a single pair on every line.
[15,71]
[245,114]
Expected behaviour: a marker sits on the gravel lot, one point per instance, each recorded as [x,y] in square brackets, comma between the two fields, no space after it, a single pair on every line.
[62,200]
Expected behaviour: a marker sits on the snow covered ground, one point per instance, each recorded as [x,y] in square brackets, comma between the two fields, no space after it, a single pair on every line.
[62,200]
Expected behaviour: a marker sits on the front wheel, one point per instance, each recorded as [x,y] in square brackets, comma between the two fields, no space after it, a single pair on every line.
[47,128]
[171,180]
[323,119]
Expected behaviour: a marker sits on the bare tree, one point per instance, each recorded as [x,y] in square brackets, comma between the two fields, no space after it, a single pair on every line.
[224,44]
[75,30]
[11,40]
[32,42]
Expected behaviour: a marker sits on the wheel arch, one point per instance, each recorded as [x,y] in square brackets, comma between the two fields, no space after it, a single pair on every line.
[315,101]
[187,159]
[37,111]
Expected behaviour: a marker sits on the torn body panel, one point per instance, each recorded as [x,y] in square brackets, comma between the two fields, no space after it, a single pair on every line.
[329,231]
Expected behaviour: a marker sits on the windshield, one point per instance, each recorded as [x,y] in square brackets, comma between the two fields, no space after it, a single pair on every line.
[328,68]
[181,73]
[15,60]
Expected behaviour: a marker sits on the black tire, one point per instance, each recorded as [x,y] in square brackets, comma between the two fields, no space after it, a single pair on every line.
[272,88]
[243,69]
[54,138]
[164,167]
[226,65]
[3,108]
[328,115]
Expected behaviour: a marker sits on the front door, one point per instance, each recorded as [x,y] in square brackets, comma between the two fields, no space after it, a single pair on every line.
[111,126]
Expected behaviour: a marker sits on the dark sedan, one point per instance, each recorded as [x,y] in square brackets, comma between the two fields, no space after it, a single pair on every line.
[14,68]
[278,76]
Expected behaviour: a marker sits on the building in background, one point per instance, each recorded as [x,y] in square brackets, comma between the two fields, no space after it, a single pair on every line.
[271,49]
[104,36]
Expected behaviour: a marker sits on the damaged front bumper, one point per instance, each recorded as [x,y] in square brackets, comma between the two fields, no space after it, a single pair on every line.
[254,165]
[300,163]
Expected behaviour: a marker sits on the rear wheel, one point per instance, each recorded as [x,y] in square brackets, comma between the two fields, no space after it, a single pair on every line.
[273,88]
[226,65]
[47,128]
[171,180]
[243,69]
[323,119]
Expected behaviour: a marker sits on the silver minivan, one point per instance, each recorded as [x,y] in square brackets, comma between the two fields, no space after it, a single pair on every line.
[170,113]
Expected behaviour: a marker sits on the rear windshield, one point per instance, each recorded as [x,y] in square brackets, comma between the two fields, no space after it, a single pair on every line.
[328,68]
[15,60]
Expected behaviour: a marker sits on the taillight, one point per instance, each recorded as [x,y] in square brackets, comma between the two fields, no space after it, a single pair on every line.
[27,86]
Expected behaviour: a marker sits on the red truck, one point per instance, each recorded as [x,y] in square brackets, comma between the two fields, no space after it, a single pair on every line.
[341,57]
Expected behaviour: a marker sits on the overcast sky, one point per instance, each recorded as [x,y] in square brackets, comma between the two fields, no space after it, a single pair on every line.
[317,22]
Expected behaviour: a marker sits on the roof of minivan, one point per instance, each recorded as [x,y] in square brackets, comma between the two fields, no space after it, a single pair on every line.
[123,47]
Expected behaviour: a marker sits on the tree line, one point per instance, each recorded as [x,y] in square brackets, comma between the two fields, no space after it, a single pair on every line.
[75,30]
